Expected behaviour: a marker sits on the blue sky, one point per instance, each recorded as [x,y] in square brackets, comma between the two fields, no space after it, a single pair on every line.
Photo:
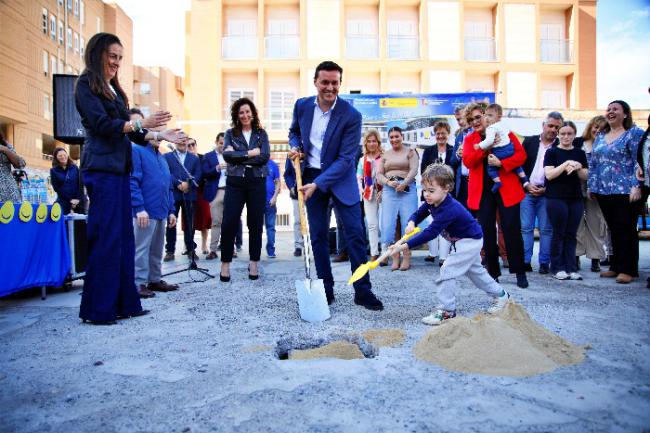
[623,52]
[622,44]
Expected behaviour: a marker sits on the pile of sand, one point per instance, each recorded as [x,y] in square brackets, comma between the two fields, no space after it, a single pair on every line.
[504,344]
[336,349]
[385,337]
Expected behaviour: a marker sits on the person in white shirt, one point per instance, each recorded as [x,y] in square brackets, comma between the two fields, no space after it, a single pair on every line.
[501,147]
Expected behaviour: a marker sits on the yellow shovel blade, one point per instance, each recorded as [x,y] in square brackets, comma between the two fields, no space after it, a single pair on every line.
[359,273]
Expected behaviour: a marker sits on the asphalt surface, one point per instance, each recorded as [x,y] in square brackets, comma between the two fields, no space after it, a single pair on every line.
[206,359]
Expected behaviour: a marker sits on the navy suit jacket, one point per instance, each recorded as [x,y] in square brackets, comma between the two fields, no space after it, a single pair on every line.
[193,165]
[340,146]
[211,175]
[106,147]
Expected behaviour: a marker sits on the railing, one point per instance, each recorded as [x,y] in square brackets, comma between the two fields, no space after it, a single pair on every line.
[480,49]
[239,47]
[403,47]
[362,47]
[282,46]
[556,51]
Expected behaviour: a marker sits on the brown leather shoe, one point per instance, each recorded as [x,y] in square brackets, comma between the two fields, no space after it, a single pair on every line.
[144,292]
[373,258]
[343,257]
[624,278]
[162,286]
[211,256]
[168,257]
[608,274]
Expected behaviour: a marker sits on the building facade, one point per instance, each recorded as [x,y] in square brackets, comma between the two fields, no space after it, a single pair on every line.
[157,88]
[40,38]
[538,54]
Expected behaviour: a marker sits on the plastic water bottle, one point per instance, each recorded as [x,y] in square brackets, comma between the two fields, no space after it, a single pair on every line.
[42,191]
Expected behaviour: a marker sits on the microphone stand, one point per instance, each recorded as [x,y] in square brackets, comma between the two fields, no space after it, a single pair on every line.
[189,224]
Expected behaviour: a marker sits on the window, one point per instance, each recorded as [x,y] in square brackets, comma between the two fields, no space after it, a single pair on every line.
[69,5]
[46,106]
[69,38]
[280,109]
[61,68]
[235,94]
[145,88]
[76,8]
[76,42]
[53,27]
[46,63]
[99,24]
[82,12]
[53,62]
[44,20]
[60,32]
[60,2]
[82,46]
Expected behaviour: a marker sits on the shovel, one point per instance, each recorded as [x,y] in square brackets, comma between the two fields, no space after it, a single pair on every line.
[363,269]
[312,301]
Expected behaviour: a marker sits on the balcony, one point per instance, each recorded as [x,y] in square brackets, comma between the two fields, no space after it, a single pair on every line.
[403,47]
[362,47]
[239,47]
[282,46]
[556,51]
[480,49]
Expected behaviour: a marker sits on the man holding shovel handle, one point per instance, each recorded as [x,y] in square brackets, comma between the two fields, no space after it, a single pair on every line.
[326,132]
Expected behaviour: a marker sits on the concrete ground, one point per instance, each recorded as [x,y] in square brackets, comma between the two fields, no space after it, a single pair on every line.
[204,360]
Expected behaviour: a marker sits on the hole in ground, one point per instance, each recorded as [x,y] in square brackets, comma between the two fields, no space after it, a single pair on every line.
[340,346]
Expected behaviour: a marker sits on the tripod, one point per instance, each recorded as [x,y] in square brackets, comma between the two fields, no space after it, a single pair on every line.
[188,218]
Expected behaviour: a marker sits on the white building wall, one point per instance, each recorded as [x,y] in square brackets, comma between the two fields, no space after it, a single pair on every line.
[521,46]
[522,89]
[441,81]
[323,23]
[444,29]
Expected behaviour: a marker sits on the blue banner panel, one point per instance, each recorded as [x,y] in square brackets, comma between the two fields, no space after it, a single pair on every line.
[34,248]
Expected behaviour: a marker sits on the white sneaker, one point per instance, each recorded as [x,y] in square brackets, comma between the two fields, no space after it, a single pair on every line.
[575,276]
[438,316]
[561,276]
[499,303]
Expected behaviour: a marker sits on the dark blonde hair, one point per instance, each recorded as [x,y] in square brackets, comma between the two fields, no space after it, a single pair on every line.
[441,124]
[571,125]
[442,174]
[481,106]
[586,134]
[496,108]
[373,133]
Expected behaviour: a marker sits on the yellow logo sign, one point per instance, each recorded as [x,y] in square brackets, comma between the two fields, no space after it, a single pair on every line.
[55,213]
[398,102]
[7,212]
[25,212]
[41,213]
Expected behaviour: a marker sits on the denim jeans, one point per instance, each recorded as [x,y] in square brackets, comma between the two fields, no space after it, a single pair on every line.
[564,216]
[394,203]
[269,223]
[535,207]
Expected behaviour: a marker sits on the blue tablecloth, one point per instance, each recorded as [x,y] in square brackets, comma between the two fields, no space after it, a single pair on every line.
[32,254]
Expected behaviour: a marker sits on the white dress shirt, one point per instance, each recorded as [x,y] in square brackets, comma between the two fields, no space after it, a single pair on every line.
[317,134]
[224,173]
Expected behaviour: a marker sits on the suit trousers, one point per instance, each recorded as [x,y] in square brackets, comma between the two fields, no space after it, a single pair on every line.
[216,212]
[188,218]
[250,191]
[511,224]
[109,285]
[350,216]
[621,217]
[297,235]
[149,243]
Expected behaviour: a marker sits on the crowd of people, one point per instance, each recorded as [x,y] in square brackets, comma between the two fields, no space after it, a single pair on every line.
[481,199]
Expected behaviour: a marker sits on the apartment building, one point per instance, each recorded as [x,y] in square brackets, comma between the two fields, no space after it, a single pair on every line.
[534,54]
[39,38]
[156,88]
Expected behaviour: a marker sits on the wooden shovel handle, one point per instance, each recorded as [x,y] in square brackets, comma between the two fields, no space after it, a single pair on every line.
[301,197]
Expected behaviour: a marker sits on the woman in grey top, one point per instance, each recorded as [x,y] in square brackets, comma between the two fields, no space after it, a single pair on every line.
[8,157]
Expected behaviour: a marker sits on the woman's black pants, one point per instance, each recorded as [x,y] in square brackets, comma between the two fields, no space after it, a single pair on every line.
[511,225]
[250,191]
[621,217]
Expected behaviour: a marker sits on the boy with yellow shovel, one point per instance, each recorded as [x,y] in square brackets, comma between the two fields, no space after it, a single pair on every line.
[457,225]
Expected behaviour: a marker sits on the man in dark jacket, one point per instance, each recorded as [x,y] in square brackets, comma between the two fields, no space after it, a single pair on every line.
[185,169]
[213,170]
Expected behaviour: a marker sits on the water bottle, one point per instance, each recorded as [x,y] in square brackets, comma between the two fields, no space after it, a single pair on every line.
[42,191]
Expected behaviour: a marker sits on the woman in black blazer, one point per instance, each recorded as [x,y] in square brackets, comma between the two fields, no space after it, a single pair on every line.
[246,150]
[109,286]
[441,152]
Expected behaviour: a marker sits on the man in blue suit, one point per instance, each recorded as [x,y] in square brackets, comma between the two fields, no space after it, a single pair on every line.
[184,195]
[326,131]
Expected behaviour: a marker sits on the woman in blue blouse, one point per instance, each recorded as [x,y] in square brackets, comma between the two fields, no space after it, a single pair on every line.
[65,181]
[109,289]
[613,182]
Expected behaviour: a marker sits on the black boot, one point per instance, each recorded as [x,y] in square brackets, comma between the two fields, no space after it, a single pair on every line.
[595,265]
